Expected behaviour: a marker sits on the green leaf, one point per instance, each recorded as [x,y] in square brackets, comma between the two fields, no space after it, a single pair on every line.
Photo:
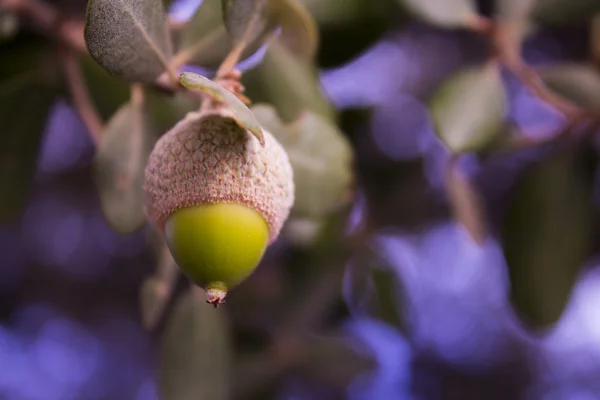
[511,9]
[107,91]
[243,116]
[154,296]
[288,82]
[9,25]
[320,156]
[386,289]
[129,38]
[547,236]
[195,356]
[333,360]
[443,13]
[375,288]
[468,109]
[299,32]
[156,291]
[249,20]
[205,40]
[329,13]
[166,110]
[28,88]
[577,82]
[513,23]
[119,167]
[565,12]
[255,20]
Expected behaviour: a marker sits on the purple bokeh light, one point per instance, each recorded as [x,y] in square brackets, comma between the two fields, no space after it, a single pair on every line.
[46,355]
[66,143]
[392,352]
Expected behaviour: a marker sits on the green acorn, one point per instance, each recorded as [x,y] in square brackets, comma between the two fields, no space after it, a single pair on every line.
[219,197]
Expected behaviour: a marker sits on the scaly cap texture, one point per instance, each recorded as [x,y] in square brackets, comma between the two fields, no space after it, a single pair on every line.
[208,158]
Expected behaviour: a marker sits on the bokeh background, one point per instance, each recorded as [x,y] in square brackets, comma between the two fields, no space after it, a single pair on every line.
[414,310]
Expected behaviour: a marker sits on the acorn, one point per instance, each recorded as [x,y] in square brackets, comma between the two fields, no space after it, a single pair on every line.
[218,196]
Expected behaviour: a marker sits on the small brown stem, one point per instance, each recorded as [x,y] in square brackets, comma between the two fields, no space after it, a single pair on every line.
[81,99]
[507,49]
[229,63]
[137,94]
[176,26]
[70,33]
[522,141]
[188,54]
[529,77]
[50,20]
[479,24]
[171,74]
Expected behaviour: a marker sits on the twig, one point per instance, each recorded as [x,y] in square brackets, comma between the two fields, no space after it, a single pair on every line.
[81,99]
[231,60]
[137,94]
[70,32]
[530,78]
[465,202]
[479,24]
[507,49]
[50,20]
[188,54]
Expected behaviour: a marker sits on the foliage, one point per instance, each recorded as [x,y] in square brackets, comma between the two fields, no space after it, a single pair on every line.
[133,81]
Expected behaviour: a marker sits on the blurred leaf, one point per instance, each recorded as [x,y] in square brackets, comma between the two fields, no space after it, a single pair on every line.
[255,20]
[9,25]
[595,40]
[205,40]
[333,360]
[547,235]
[510,9]
[466,203]
[249,20]
[321,158]
[386,289]
[302,232]
[28,87]
[119,167]
[578,82]
[166,110]
[288,82]
[564,12]
[468,109]
[129,37]
[107,91]
[244,117]
[374,288]
[329,13]
[156,290]
[443,13]
[195,355]
[154,296]
[299,32]
[513,24]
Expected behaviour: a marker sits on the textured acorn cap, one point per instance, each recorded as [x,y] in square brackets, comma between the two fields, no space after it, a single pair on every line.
[208,158]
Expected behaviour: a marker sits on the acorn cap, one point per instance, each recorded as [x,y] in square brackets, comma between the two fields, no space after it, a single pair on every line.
[208,158]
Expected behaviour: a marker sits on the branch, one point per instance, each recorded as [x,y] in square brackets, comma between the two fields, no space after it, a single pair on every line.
[50,20]
[70,32]
[137,94]
[81,99]
[505,36]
